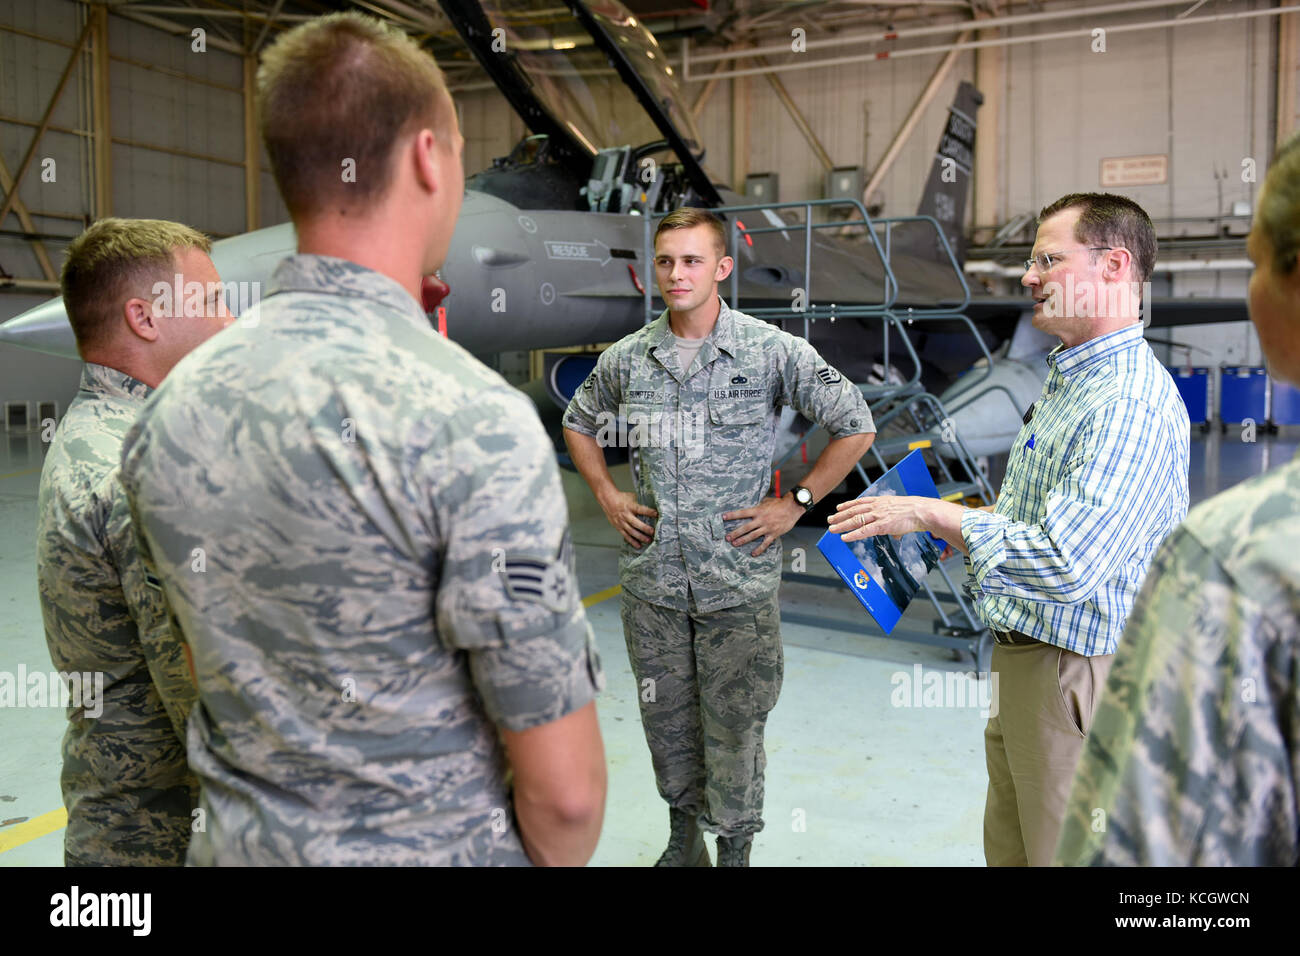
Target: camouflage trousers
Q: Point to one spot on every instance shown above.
(141, 826)
(706, 682)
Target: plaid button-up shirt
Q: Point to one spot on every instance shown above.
(1096, 480)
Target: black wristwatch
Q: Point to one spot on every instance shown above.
(803, 496)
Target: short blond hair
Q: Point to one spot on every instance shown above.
(345, 87)
(687, 217)
(115, 260)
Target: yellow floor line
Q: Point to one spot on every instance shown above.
(27, 832)
(57, 819)
(18, 474)
(604, 595)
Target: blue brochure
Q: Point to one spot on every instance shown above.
(884, 574)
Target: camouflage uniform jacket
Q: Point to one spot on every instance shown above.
(705, 438)
(126, 786)
(1194, 754)
(362, 533)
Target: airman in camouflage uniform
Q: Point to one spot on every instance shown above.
(362, 534)
(1192, 759)
(359, 527)
(709, 436)
(126, 786)
(1194, 756)
(701, 616)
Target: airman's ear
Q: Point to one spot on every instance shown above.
(420, 152)
(725, 265)
(140, 319)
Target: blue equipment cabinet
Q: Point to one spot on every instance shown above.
(1194, 389)
(1285, 408)
(1243, 394)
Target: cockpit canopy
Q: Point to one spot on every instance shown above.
(573, 79)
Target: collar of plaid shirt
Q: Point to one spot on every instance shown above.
(1077, 360)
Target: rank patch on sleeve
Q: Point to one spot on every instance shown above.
(829, 376)
(540, 580)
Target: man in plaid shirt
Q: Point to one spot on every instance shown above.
(1096, 479)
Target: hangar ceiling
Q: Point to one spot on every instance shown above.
(246, 27)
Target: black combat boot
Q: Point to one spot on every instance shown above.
(734, 850)
(686, 845)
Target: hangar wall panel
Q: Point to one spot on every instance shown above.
(58, 181)
(1199, 94)
(488, 124)
(181, 113)
(854, 110)
(162, 94)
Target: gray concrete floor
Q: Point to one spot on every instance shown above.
(851, 778)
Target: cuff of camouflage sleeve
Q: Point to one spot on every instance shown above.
(537, 681)
(579, 425)
(864, 427)
(983, 533)
(860, 424)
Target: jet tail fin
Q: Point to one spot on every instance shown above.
(945, 192)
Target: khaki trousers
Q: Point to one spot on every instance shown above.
(1046, 699)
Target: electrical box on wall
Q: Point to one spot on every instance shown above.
(763, 187)
(844, 182)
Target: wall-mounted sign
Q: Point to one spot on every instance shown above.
(1135, 170)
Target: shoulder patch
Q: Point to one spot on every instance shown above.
(829, 376)
(548, 582)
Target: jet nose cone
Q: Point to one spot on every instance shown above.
(42, 329)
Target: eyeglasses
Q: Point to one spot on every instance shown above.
(1046, 260)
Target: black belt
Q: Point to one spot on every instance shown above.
(1012, 638)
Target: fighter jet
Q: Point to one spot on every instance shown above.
(620, 155)
(552, 247)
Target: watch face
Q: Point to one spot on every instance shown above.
(803, 496)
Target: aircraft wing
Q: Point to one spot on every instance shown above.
(1165, 311)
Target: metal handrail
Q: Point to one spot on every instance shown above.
(911, 352)
(967, 459)
(968, 398)
(897, 388)
(891, 284)
(947, 248)
(975, 334)
(812, 312)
